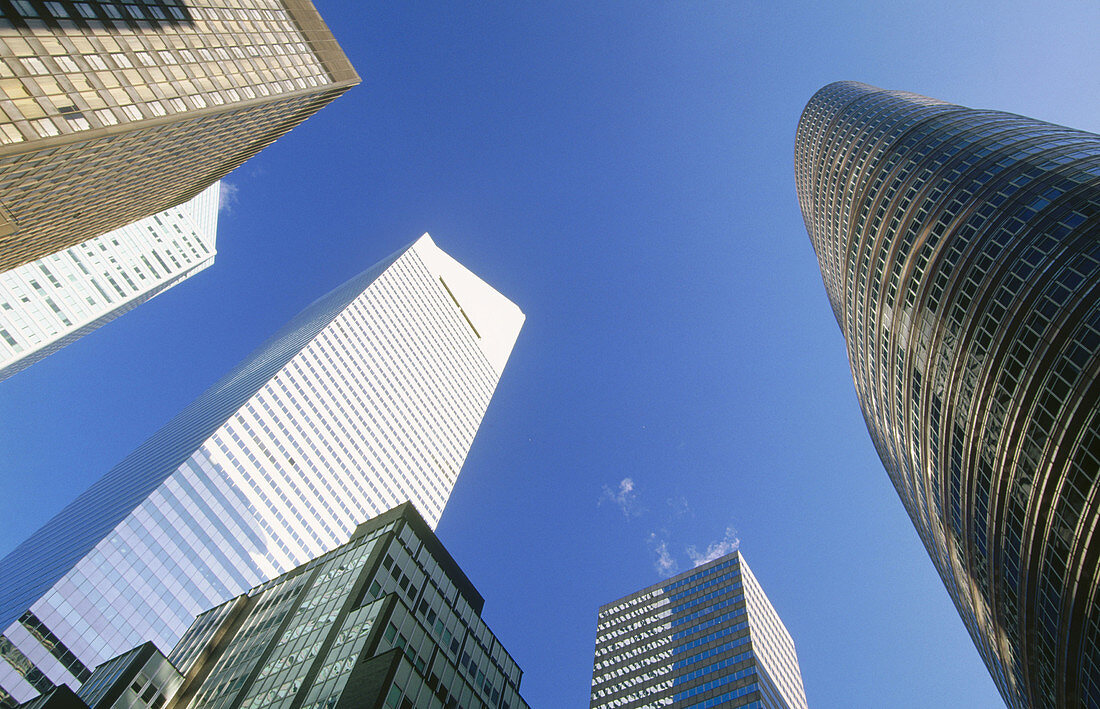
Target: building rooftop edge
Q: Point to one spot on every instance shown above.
(673, 579)
(494, 319)
(407, 511)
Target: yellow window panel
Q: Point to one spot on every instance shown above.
(52, 46)
(9, 134)
(13, 88)
(29, 108)
(48, 86)
(18, 47)
(93, 99)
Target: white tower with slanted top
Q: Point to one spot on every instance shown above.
(371, 396)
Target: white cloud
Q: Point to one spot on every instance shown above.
(725, 545)
(679, 506)
(227, 196)
(664, 563)
(626, 499)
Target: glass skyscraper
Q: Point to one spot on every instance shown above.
(960, 251)
(112, 111)
(371, 396)
(708, 637)
(54, 301)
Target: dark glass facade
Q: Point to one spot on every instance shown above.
(387, 621)
(960, 250)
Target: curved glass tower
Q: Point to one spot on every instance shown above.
(960, 250)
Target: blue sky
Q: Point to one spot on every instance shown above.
(624, 173)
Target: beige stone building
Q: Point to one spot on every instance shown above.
(113, 111)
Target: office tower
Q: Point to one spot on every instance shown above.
(54, 301)
(113, 111)
(369, 397)
(705, 638)
(386, 620)
(960, 250)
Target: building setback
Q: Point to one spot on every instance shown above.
(960, 250)
(708, 637)
(388, 620)
(113, 111)
(54, 301)
(369, 397)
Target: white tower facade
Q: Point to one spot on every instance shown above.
(371, 396)
(54, 301)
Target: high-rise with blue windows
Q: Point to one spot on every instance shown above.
(370, 397)
(708, 637)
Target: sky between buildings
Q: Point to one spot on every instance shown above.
(624, 173)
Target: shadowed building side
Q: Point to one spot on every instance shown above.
(960, 250)
(386, 620)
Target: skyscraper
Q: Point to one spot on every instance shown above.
(386, 620)
(960, 250)
(113, 111)
(705, 638)
(371, 396)
(49, 303)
